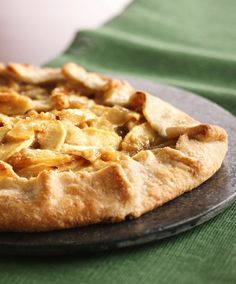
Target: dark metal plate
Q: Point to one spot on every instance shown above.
(181, 214)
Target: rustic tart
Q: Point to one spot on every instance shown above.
(79, 148)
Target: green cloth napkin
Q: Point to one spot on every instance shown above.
(187, 43)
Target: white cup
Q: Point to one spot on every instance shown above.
(36, 31)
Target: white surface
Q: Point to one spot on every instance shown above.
(35, 31)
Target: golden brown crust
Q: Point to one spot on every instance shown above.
(173, 121)
(83, 161)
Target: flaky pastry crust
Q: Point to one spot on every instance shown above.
(78, 148)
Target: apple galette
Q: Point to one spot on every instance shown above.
(79, 148)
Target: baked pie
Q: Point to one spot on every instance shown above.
(79, 148)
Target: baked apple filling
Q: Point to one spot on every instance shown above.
(69, 119)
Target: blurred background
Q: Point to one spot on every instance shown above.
(36, 31)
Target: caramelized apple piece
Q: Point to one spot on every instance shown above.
(28, 157)
(12, 103)
(140, 137)
(53, 136)
(9, 149)
(91, 136)
(89, 153)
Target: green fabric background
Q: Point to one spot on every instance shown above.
(187, 43)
